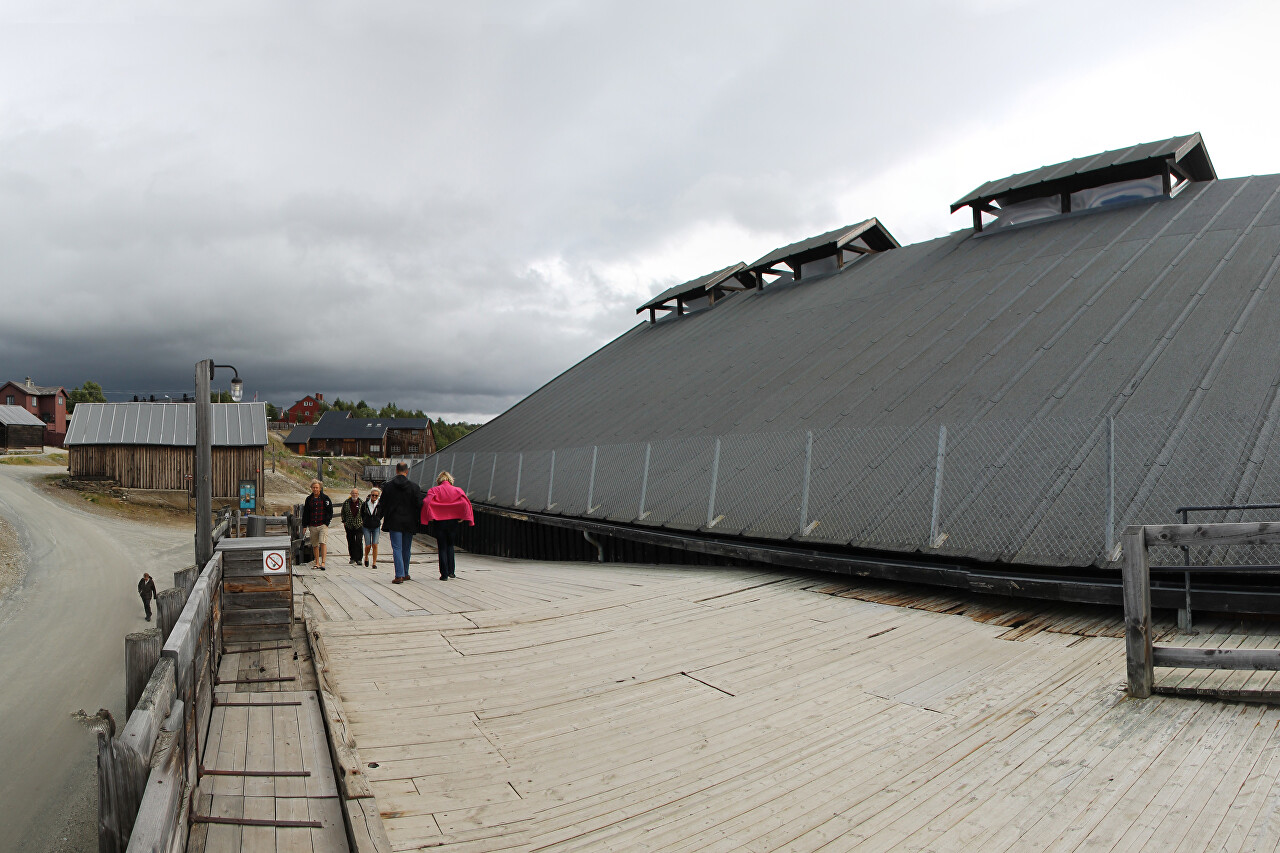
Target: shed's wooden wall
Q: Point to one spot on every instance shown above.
(139, 466)
(21, 437)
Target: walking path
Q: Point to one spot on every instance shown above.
(548, 706)
(62, 649)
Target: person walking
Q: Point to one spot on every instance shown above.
(317, 512)
(147, 589)
(401, 505)
(370, 518)
(353, 525)
(445, 508)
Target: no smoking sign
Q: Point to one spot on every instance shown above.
(273, 563)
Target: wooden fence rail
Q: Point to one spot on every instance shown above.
(1141, 656)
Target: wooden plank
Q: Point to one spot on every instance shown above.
(1228, 533)
(1265, 659)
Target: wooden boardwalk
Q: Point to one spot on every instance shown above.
(268, 720)
(544, 706)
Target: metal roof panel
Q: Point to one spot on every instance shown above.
(166, 424)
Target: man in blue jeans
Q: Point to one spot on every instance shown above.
(402, 515)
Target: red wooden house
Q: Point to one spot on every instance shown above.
(306, 410)
(48, 403)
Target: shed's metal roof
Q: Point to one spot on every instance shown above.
(1188, 151)
(336, 424)
(1024, 342)
(18, 416)
(166, 424)
(695, 288)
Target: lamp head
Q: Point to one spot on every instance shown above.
(237, 389)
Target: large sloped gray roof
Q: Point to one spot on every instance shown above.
(18, 416)
(167, 424)
(1150, 328)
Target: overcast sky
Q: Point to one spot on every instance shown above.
(447, 204)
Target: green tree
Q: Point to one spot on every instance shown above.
(220, 397)
(89, 392)
(273, 414)
(447, 433)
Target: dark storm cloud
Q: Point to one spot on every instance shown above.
(445, 205)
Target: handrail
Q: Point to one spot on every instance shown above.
(1141, 656)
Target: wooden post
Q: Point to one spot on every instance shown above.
(204, 463)
(1137, 613)
(168, 608)
(184, 579)
(141, 652)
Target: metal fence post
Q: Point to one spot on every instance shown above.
(492, 473)
(436, 469)
(715, 474)
(937, 537)
(519, 472)
(1111, 487)
(591, 484)
(471, 471)
(551, 480)
(644, 481)
(804, 489)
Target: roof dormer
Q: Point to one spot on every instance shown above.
(829, 251)
(698, 293)
(1148, 170)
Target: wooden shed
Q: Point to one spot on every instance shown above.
(152, 445)
(20, 430)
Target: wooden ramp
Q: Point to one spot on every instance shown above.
(267, 778)
(541, 706)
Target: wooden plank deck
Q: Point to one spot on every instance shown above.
(550, 706)
(262, 723)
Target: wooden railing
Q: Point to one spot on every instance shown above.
(147, 771)
(1141, 655)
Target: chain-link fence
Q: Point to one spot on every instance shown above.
(1049, 491)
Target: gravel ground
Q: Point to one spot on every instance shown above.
(13, 565)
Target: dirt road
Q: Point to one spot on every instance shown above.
(62, 649)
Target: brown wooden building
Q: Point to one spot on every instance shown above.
(337, 434)
(20, 429)
(152, 445)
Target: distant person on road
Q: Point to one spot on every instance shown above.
(445, 508)
(401, 505)
(317, 512)
(147, 589)
(353, 526)
(370, 518)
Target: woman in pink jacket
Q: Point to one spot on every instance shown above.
(448, 507)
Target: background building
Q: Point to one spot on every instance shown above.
(338, 434)
(988, 409)
(152, 445)
(20, 429)
(48, 403)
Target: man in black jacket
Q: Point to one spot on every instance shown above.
(401, 516)
(317, 512)
(147, 589)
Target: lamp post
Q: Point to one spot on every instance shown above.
(204, 455)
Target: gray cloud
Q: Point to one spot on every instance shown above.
(431, 202)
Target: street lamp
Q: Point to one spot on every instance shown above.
(204, 454)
